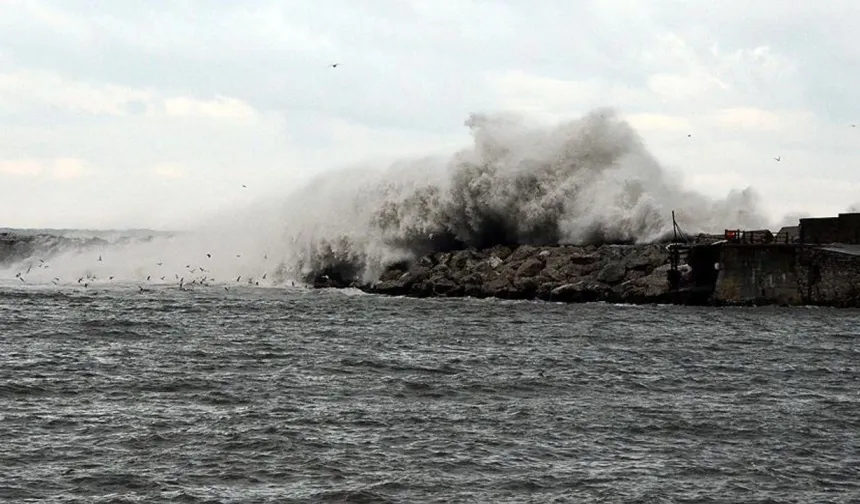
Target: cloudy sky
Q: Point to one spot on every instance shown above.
(147, 113)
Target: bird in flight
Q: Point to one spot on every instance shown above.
(334, 65)
(778, 158)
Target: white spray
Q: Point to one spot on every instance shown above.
(585, 181)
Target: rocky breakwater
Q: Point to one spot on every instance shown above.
(611, 273)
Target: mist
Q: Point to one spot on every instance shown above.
(590, 180)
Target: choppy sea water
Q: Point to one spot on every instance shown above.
(269, 395)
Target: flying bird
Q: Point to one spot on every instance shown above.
(209, 255)
(778, 158)
(334, 65)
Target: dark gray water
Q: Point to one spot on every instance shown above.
(264, 395)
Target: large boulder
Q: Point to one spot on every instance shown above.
(612, 273)
(529, 268)
(582, 292)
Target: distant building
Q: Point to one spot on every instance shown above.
(844, 229)
(788, 234)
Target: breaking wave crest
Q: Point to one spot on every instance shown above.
(586, 181)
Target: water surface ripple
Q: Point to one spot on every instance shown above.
(263, 395)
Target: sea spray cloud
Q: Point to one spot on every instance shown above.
(585, 181)
(589, 180)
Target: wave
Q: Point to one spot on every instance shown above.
(589, 180)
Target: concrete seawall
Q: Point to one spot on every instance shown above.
(758, 274)
(788, 274)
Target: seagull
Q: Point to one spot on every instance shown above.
(209, 255)
(243, 185)
(334, 65)
(159, 263)
(778, 158)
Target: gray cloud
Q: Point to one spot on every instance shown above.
(413, 71)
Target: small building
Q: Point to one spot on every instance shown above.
(788, 234)
(844, 228)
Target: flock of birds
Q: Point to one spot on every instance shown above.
(197, 276)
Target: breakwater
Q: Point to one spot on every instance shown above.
(711, 271)
(612, 273)
(719, 274)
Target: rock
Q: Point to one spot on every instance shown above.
(522, 253)
(647, 289)
(552, 275)
(444, 286)
(498, 287)
(391, 275)
(442, 258)
(530, 268)
(582, 292)
(503, 252)
(634, 274)
(389, 287)
(612, 273)
(525, 287)
(584, 257)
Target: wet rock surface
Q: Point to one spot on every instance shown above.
(611, 273)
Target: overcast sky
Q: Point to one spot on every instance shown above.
(148, 112)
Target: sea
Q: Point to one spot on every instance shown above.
(253, 395)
